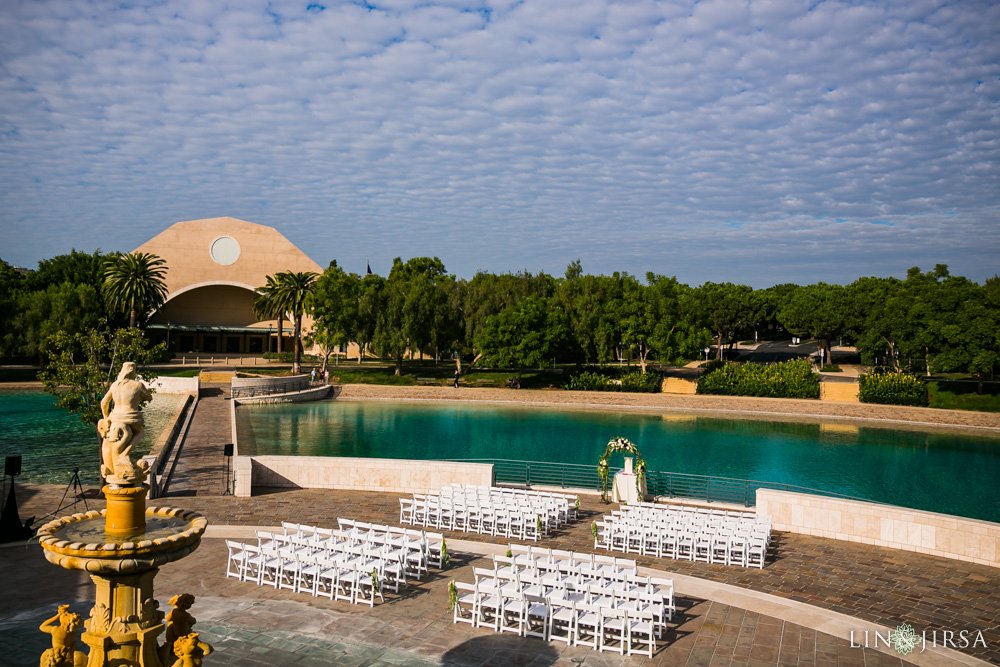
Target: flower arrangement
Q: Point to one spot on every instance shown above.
(593, 529)
(445, 558)
(375, 587)
(452, 595)
(628, 448)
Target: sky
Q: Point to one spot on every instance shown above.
(752, 142)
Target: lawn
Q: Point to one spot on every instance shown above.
(963, 395)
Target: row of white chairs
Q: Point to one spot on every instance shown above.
(625, 615)
(567, 504)
(568, 570)
(511, 513)
(683, 534)
(353, 564)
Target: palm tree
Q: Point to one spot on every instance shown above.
(134, 284)
(292, 293)
(266, 306)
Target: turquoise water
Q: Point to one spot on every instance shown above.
(936, 471)
(52, 442)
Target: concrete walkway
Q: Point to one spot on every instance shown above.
(200, 468)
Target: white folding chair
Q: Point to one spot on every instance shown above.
(588, 626)
(234, 562)
(465, 603)
(614, 629)
(562, 620)
(641, 633)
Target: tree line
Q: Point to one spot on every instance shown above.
(928, 322)
(931, 322)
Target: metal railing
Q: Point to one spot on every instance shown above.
(661, 484)
(274, 387)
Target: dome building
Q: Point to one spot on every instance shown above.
(213, 267)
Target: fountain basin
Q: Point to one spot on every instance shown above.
(80, 542)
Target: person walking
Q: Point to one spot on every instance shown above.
(457, 373)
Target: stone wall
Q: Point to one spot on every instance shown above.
(362, 474)
(882, 525)
(679, 386)
(839, 391)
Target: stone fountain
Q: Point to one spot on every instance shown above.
(122, 548)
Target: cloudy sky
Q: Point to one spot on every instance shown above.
(756, 142)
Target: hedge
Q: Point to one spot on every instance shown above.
(892, 388)
(789, 379)
(633, 381)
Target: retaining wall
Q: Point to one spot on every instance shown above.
(882, 525)
(846, 392)
(361, 474)
(175, 385)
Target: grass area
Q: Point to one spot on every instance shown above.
(442, 375)
(831, 369)
(951, 395)
(178, 373)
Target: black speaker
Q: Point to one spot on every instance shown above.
(12, 465)
(227, 449)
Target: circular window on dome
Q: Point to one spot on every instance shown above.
(225, 250)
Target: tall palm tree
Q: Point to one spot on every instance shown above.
(266, 306)
(292, 293)
(134, 284)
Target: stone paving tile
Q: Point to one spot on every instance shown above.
(250, 625)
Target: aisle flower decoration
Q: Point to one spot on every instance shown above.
(445, 559)
(628, 448)
(452, 595)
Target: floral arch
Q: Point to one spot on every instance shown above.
(627, 448)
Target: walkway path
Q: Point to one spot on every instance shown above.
(200, 467)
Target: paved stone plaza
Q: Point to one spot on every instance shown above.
(259, 626)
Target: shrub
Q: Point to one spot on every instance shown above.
(587, 381)
(789, 379)
(892, 388)
(713, 365)
(832, 368)
(633, 381)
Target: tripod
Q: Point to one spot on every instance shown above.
(77, 486)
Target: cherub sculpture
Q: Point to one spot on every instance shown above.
(179, 623)
(190, 651)
(63, 628)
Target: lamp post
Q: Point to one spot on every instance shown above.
(168, 336)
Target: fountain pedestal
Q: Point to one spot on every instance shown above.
(126, 621)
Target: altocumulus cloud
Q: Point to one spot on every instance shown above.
(751, 141)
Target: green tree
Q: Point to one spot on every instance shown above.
(525, 334)
(75, 268)
(266, 306)
(293, 294)
(134, 284)
(818, 311)
(371, 305)
(416, 315)
(66, 307)
(336, 298)
(726, 310)
(78, 368)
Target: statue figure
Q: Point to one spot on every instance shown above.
(190, 650)
(122, 427)
(179, 624)
(63, 628)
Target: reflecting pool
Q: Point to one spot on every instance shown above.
(937, 471)
(52, 441)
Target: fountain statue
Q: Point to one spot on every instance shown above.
(122, 548)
